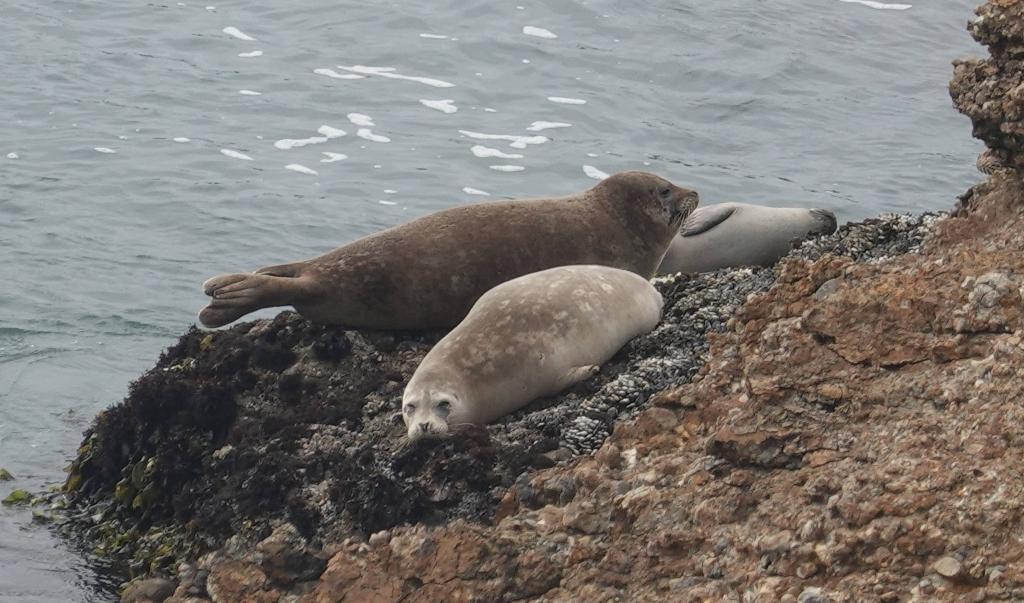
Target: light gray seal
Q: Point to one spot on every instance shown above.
(728, 235)
(525, 339)
(427, 273)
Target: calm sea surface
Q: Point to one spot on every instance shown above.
(146, 146)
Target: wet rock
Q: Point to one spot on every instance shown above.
(149, 590)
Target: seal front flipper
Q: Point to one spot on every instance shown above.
(235, 295)
(706, 218)
(289, 270)
(578, 374)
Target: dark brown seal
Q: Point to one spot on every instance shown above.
(427, 273)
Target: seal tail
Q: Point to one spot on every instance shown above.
(235, 295)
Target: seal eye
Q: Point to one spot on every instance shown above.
(665, 192)
(444, 407)
(410, 408)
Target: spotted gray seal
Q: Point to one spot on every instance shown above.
(527, 338)
(736, 234)
(427, 273)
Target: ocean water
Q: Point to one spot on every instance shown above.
(147, 146)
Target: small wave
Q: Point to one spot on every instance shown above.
(565, 100)
(481, 151)
(389, 72)
(367, 134)
(880, 5)
(433, 36)
(539, 32)
(249, 55)
(12, 155)
(360, 119)
(237, 33)
(296, 167)
(469, 190)
(516, 141)
(326, 133)
(181, 139)
(235, 154)
(332, 157)
(338, 76)
(537, 126)
(250, 92)
(104, 149)
(444, 106)
(594, 173)
(507, 168)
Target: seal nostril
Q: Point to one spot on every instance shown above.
(425, 427)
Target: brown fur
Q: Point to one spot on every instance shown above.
(427, 273)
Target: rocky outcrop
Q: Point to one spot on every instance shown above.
(991, 91)
(851, 434)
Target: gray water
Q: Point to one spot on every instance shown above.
(126, 185)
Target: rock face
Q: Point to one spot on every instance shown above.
(991, 91)
(852, 434)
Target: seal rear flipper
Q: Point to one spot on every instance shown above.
(235, 295)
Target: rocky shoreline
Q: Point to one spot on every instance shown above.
(842, 427)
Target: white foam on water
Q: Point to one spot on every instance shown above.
(286, 144)
(250, 92)
(591, 154)
(433, 36)
(367, 134)
(880, 5)
(516, 141)
(181, 139)
(330, 132)
(360, 120)
(12, 155)
(234, 31)
(481, 151)
(389, 72)
(566, 100)
(248, 55)
(539, 32)
(122, 137)
(526, 61)
(332, 157)
(327, 133)
(383, 202)
(104, 150)
(338, 76)
(537, 126)
(490, 110)
(444, 106)
(594, 173)
(211, 8)
(469, 190)
(235, 154)
(507, 168)
(295, 167)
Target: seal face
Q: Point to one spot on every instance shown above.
(728, 235)
(427, 273)
(527, 338)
